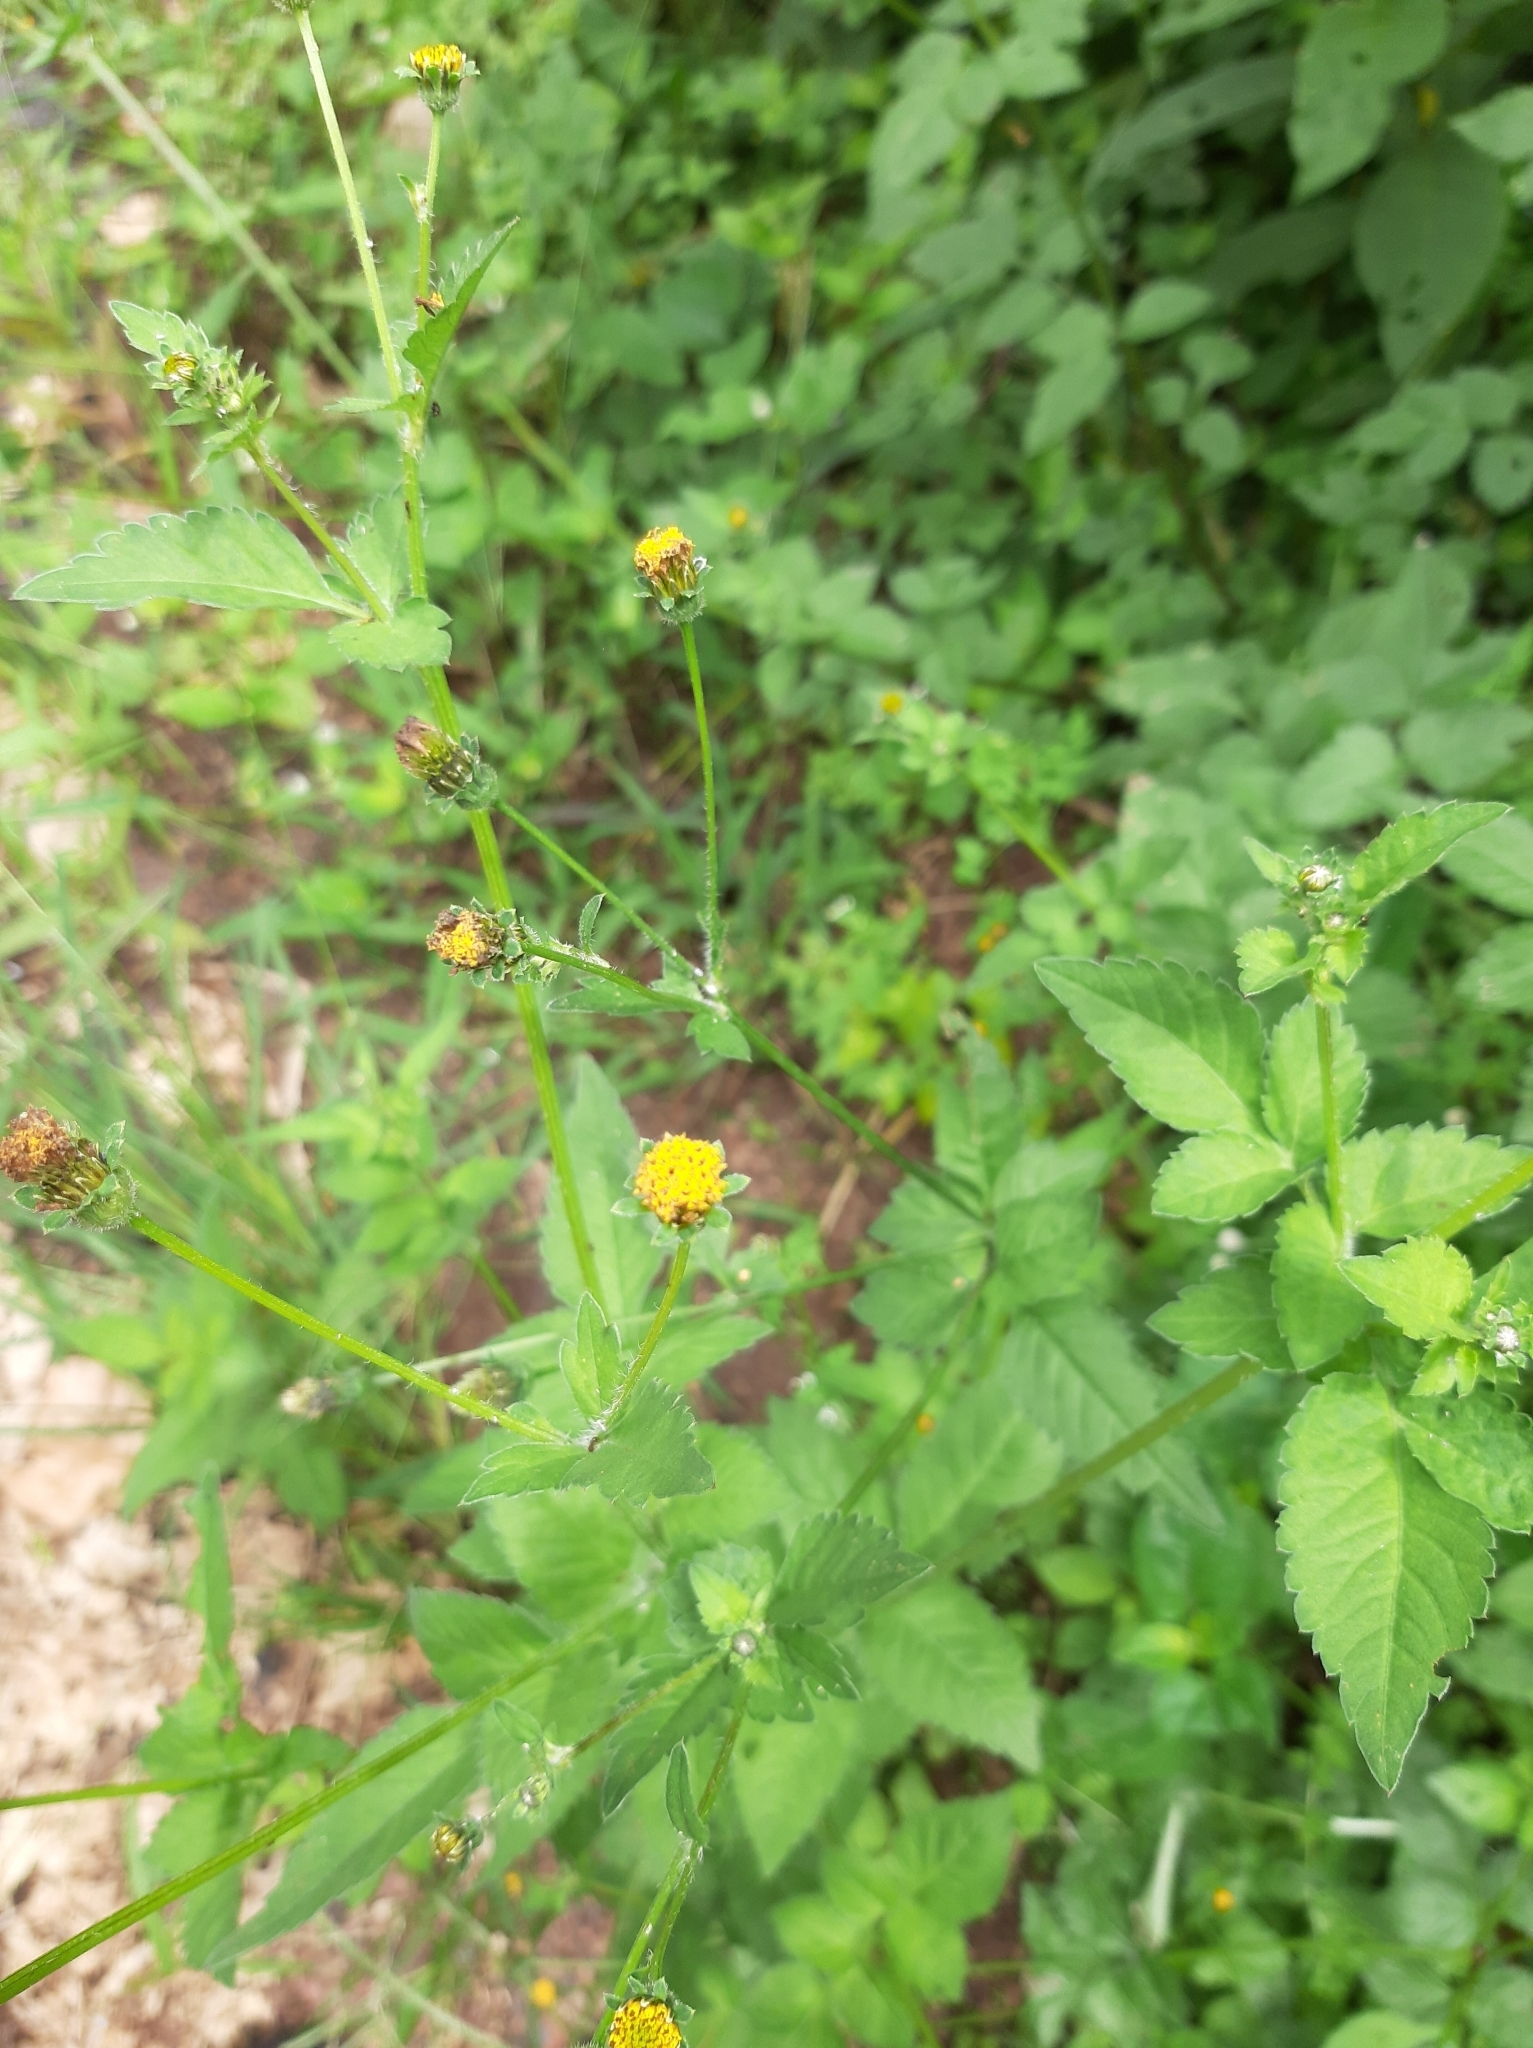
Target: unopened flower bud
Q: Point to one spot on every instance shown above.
(452, 1841)
(439, 69)
(61, 1173)
(680, 1180)
(744, 1644)
(1316, 878)
(1505, 1339)
(533, 1792)
(470, 941)
(431, 757)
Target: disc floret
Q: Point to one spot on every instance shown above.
(439, 69)
(671, 572)
(681, 1181)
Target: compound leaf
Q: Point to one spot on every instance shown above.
(1387, 1570)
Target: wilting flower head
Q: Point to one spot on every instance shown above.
(471, 941)
(681, 1180)
(307, 1399)
(431, 757)
(665, 558)
(439, 69)
(644, 2023)
(61, 1173)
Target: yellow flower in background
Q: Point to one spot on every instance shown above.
(680, 1180)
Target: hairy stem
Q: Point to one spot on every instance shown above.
(288, 1824)
(332, 547)
(271, 274)
(421, 1381)
(125, 1791)
(712, 927)
(353, 206)
(652, 1335)
(1325, 1046)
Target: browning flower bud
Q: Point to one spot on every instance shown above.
(671, 571)
(60, 1173)
(470, 941)
(644, 2023)
(439, 69)
(431, 757)
(680, 1180)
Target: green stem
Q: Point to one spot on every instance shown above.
(1325, 1047)
(353, 206)
(646, 1350)
(419, 1380)
(129, 1791)
(228, 223)
(712, 927)
(655, 1928)
(642, 1706)
(626, 910)
(504, 1299)
(558, 1141)
(886, 1451)
(1040, 844)
(289, 1823)
(427, 217)
(1496, 1196)
(1064, 1490)
(327, 541)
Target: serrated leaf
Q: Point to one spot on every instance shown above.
(985, 1453)
(1411, 845)
(522, 1468)
(818, 1662)
(1403, 1182)
(650, 1452)
(1422, 1285)
(679, 1803)
(591, 1364)
(155, 333)
(1388, 1571)
(1219, 1175)
(1480, 1449)
(588, 917)
(427, 348)
(1228, 1315)
(1081, 1379)
(230, 559)
(1497, 862)
(469, 1639)
(1291, 1099)
(945, 1656)
(717, 1035)
(1185, 1047)
(1318, 1308)
(1266, 957)
(415, 637)
(836, 1567)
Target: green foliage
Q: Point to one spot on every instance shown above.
(244, 561)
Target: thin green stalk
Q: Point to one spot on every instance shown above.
(712, 927)
(1064, 1490)
(550, 845)
(427, 220)
(327, 541)
(141, 1789)
(642, 1706)
(1325, 1047)
(558, 1140)
(646, 1350)
(270, 273)
(1512, 1182)
(505, 1301)
(655, 1928)
(888, 1448)
(1040, 844)
(289, 1823)
(419, 1380)
(353, 205)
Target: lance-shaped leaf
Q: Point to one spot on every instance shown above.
(651, 1739)
(836, 1567)
(1187, 1048)
(1228, 1315)
(1388, 1571)
(1423, 1285)
(427, 348)
(1219, 1175)
(1410, 846)
(1401, 1182)
(1318, 1308)
(227, 558)
(679, 1803)
(1479, 1448)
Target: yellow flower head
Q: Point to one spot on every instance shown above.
(1223, 1900)
(466, 939)
(446, 59)
(680, 1180)
(37, 1151)
(644, 2023)
(665, 558)
(450, 1843)
(892, 703)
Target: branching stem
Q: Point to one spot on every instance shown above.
(421, 1381)
(332, 547)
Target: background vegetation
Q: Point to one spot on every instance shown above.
(1108, 424)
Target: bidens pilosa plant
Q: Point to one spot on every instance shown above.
(720, 1639)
